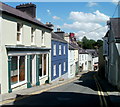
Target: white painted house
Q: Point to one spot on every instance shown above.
(24, 48)
(87, 59)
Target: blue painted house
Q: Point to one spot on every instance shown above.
(59, 56)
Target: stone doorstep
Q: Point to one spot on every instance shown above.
(27, 91)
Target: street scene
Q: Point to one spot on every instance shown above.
(60, 53)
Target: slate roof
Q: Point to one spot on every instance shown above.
(17, 13)
(57, 37)
(115, 27)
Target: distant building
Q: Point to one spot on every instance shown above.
(88, 59)
(111, 52)
(25, 45)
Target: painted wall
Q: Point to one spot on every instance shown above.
(71, 64)
(9, 37)
(57, 59)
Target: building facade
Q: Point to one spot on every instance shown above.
(59, 58)
(24, 49)
(112, 55)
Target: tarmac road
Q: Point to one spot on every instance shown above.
(84, 92)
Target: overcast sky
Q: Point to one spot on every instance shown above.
(78, 17)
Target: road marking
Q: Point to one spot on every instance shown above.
(37, 92)
(100, 93)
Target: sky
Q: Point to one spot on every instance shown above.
(82, 18)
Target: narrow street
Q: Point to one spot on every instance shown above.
(82, 92)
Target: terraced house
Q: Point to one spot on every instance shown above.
(25, 45)
(59, 56)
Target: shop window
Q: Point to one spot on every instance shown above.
(42, 65)
(17, 69)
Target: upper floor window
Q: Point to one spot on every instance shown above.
(19, 32)
(60, 51)
(54, 49)
(43, 37)
(64, 50)
(33, 35)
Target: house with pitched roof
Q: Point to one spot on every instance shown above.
(59, 56)
(25, 45)
(111, 52)
(73, 59)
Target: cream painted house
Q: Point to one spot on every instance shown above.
(73, 59)
(25, 45)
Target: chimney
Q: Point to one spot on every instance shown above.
(58, 29)
(60, 33)
(49, 25)
(28, 8)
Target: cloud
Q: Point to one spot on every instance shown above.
(95, 35)
(91, 4)
(49, 12)
(96, 16)
(56, 17)
(85, 24)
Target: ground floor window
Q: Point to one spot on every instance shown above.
(42, 65)
(54, 70)
(64, 66)
(17, 69)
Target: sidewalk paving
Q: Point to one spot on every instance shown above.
(43, 87)
(111, 91)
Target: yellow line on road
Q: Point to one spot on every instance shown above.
(34, 93)
(100, 93)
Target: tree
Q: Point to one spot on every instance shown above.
(99, 43)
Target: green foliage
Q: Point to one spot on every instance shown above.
(90, 44)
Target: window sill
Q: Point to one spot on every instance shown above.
(18, 84)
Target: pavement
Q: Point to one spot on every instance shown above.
(111, 91)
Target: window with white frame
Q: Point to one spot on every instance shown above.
(64, 50)
(54, 49)
(54, 70)
(64, 66)
(32, 35)
(43, 38)
(60, 69)
(17, 69)
(60, 51)
(43, 65)
(19, 32)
